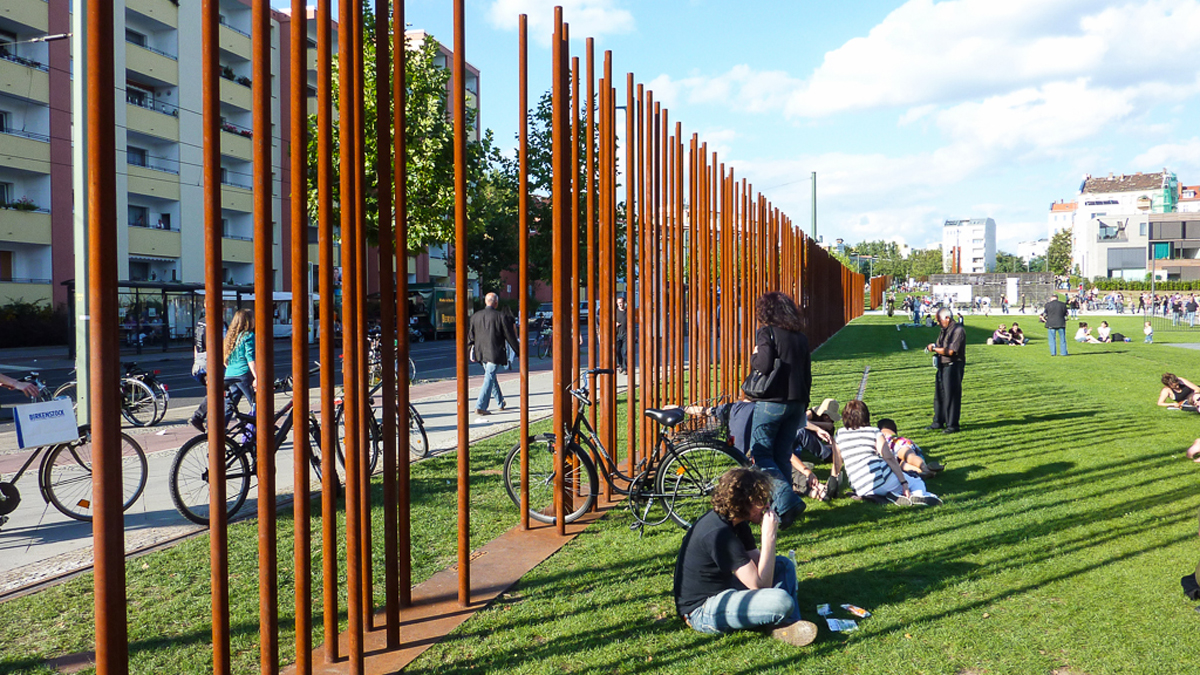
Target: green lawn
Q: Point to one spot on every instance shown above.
(1069, 518)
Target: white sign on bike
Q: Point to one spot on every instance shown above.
(42, 424)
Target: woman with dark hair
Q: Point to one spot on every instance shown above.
(779, 413)
(1177, 392)
(873, 470)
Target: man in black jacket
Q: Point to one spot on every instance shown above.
(1054, 315)
(489, 331)
(950, 349)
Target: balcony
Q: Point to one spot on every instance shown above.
(32, 13)
(154, 182)
(235, 42)
(162, 11)
(153, 242)
(26, 290)
(25, 151)
(237, 198)
(237, 250)
(154, 119)
(24, 78)
(25, 227)
(235, 142)
(152, 63)
(236, 95)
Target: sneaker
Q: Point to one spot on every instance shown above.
(799, 634)
(198, 423)
(503, 406)
(934, 466)
(926, 500)
(481, 412)
(901, 500)
(831, 488)
(934, 427)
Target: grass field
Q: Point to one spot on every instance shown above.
(1070, 516)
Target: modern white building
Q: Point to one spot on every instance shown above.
(1062, 217)
(1028, 250)
(1112, 236)
(1189, 199)
(969, 246)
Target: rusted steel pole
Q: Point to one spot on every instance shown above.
(657, 260)
(325, 237)
(387, 324)
(108, 539)
(400, 152)
(608, 299)
(347, 44)
(593, 259)
(523, 252)
(631, 203)
(264, 346)
(680, 280)
(217, 522)
(693, 214)
(604, 245)
(458, 82)
(637, 304)
(560, 200)
(301, 447)
(576, 188)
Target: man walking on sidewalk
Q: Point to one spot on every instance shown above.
(489, 331)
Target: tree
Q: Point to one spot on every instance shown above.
(888, 260)
(1058, 256)
(1037, 264)
(492, 241)
(926, 262)
(1007, 262)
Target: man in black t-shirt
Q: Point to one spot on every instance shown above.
(723, 581)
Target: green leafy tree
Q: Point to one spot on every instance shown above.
(492, 242)
(1037, 264)
(1058, 256)
(926, 262)
(1007, 262)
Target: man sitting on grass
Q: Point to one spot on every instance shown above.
(723, 581)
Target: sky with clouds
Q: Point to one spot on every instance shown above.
(909, 112)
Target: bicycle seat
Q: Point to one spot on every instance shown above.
(668, 417)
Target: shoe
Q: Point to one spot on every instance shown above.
(197, 422)
(831, 488)
(926, 500)
(798, 634)
(901, 500)
(950, 430)
(934, 427)
(481, 412)
(503, 406)
(934, 466)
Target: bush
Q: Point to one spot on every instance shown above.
(32, 324)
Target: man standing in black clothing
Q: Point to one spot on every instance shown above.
(1054, 315)
(951, 364)
(622, 324)
(489, 331)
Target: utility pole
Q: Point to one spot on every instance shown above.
(79, 141)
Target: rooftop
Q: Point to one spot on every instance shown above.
(1064, 206)
(1125, 183)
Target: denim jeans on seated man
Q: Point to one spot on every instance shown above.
(490, 385)
(733, 610)
(772, 437)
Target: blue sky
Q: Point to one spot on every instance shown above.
(910, 113)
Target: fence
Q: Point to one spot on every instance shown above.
(701, 246)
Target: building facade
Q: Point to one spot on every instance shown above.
(969, 246)
(1112, 225)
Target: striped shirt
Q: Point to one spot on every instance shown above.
(869, 474)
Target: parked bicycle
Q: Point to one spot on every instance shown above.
(375, 359)
(674, 482)
(542, 330)
(150, 379)
(189, 479)
(65, 472)
(139, 404)
(418, 440)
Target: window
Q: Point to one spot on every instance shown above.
(6, 265)
(136, 156)
(6, 193)
(135, 37)
(1142, 229)
(4, 126)
(139, 216)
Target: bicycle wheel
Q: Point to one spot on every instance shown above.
(189, 482)
(138, 404)
(412, 371)
(580, 482)
(68, 389)
(418, 441)
(67, 476)
(374, 440)
(688, 478)
(161, 398)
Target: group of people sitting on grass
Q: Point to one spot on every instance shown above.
(1009, 336)
(1103, 334)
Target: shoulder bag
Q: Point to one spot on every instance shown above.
(758, 385)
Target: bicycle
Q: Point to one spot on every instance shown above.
(139, 405)
(65, 472)
(189, 478)
(375, 360)
(674, 482)
(543, 331)
(418, 440)
(150, 379)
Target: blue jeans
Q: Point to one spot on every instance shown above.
(1057, 335)
(772, 436)
(732, 610)
(490, 386)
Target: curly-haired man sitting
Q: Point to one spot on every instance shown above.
(723, 581)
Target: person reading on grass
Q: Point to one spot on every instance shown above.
(1177, 392)
(724, 582)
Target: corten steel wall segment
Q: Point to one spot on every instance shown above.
(325, 218)
(400, 127)
(387, 317)
(217, 524)
(112, 651)
(264, 358)
(559, 205)
(301, 505)
(458, 82)
(359, 323)
(523, 251)
(348, 17)
(576, 188)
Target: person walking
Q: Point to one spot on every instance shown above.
(622, 321)
(1054, 315)
(486, 338)
(780, 411)
(950, 349)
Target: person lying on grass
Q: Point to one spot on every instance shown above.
(870, 465)
(723, 581)
(911, 459)
(1177, 392)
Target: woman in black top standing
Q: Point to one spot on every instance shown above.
(780, 412)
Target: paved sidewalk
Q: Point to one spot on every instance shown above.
(39, 543)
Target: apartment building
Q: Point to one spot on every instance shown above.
(969, 246)
(1112, 232)
(159, 147)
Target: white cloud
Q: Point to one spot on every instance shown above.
(1183, 158)
(587, 18)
